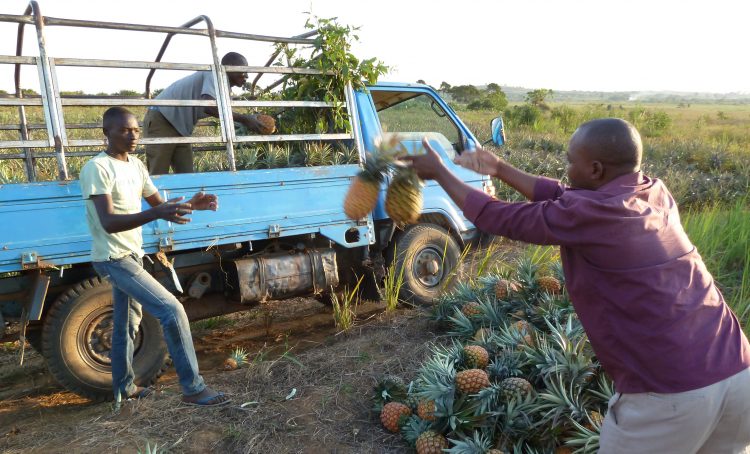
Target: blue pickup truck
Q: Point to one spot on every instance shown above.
(279, 232)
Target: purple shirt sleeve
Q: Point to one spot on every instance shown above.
(547, 221)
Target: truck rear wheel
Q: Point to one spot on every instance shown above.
(428, 255)
(77, 339)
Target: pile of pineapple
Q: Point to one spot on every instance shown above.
(403, 201)
(517, 376)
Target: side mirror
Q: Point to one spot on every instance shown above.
(498, 131)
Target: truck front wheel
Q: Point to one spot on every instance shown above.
(77, 336)
(427, 255)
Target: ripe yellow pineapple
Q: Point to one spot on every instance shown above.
(403, 202)
(363, 192)
(549, 284)
(476, 356)
(237, 359)
(495, 451)
(471, 381)
(426, 409)
(515, 386)
(471, 309)
(504, 288)
(431, 442)
(392, 414)
(522, 326)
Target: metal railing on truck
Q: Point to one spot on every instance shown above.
(52, 103)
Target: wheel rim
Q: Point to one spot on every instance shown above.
(95, 340)
(427, 267)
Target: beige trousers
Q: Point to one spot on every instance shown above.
(159, 157)
(710, 420)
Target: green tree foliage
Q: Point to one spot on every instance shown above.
(331, 52)
(465, 93)
(127, 93)
(445, 86)
(538, 97)
(492, 87)
(495, 101)
(526, 114)
(650, 123)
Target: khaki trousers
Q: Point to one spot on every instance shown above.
(159, 157)
(710, 420)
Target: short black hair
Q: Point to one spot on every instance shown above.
(234, 59)
(113, 114)
(613, 141)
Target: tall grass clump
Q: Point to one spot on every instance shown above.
(345, 305)
(722, 236)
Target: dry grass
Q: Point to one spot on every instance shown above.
(330, 411)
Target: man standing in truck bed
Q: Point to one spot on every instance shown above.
(113, 184)
(173, 121)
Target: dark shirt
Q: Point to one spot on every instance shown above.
(650, 308)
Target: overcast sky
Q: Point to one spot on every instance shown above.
(558, 44)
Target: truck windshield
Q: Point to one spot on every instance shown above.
(419, 116)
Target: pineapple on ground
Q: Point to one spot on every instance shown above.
(515, 386)
(471, 309)
(505, 288)
(476, 357)
(431, 442)
(549, 284)
(393, 414)
(471, 381)
(403, 202)
(363, 192)
(426, 409)
(237, 359)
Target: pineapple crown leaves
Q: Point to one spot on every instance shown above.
(603, 390)
(436, 380)
(461, 417)
(585, 440)
(413, 427)
(239, 354)
(461, 325)
(488, 399)
(561, 400)
(515, 419)
(509, 363)
(390, 388)
(478, 443)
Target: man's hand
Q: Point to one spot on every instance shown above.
(428, 165)
(480, 161)
(203, 201)
(173, 211)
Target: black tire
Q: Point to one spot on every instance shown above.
(75, 341)
(428, 255)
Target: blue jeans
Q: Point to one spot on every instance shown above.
(131, 285)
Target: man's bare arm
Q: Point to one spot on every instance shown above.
(487, 163)
(170, 210)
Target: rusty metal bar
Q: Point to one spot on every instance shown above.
(48, 92)
(23, 144)
(98, 63)
(276, 54)
(282, 104)
(135, 102)
(22, 130)
(18, 59)
(351, 110)
(21, 102)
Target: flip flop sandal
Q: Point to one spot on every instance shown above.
(206, 401)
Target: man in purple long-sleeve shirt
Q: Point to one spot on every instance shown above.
(652, 312)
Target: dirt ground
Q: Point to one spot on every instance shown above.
(307, 389)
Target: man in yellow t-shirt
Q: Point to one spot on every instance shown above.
(113, 184)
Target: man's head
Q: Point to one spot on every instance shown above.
(235, 59)
(121, 129)
(601, 150)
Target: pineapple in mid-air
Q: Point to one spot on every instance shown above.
(393, 414)
(237, 359)
(363, 192)
(403, 202)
